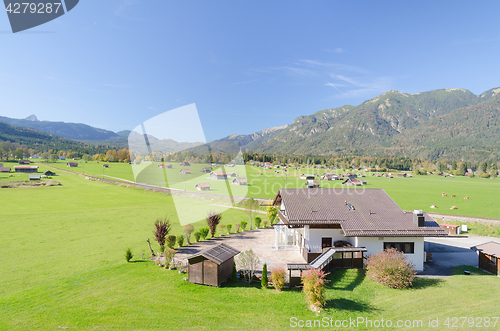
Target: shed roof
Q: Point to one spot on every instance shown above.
(4, 169)
(25, 167)
(203, 185)
(218, 254)
(489, 248)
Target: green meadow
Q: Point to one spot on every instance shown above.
(63, 266)
(419, 192)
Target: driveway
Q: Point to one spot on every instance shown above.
(451, 252)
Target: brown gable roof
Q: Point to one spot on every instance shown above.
(203, 185)
(489, 248)
(360, 212)
(218, 254)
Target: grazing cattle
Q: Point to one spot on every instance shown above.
(453, 196)
(466, 198)
(444, 194)
(433, 206)
(453, 207)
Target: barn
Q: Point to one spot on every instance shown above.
(26, 168)
(488, 256)
(213, 266)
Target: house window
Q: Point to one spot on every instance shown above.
(493, 260)
(326, 242)
(407, 248)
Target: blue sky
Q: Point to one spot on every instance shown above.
(247, 65)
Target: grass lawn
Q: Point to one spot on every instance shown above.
(53, 232)
(141, 296)
(419, 192)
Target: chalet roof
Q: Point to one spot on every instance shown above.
(363, 213)
(489, 248)
(25, 167)
(187, 171)
(241, 179)
(4, 169)
(203, 185)
(219, 173)
(218, 254)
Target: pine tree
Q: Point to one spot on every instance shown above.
(264, 282)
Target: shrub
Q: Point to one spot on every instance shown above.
(265, 281)
(237, 228)
(221, 227)
(391, 268)
(180, 241)
(272, 212)
(158, 260)
(204, 233)
(264, 222)
(258, 222)
(169, 254)
(162, 228)
(229, 226)
(471, 175)
(278, 277)
(128, 255)
(213, 220)
(170, 240)
(188, 229)
(243, 225)
(234, 275)
(314, 287)
(197, 235)
(484, 175)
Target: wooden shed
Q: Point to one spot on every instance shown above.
(212, 266)
(488, 256)
(450, 228)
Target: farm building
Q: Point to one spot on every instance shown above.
(105, 165)
(62, 158)
(314, 220)
(308, 177)
(49, 173)
(240, 181)
(23, 161)
(218, 175)
(352, 182)
(185, 164)
(206, 170)
(450, 228)
(4, 169)
(34, 177)
(488, 256)
(71, 164)
(166, 166)
(202, 186)
(26, 168)
(185, 171)
(231, 174)
(213, 266)
(312, 184)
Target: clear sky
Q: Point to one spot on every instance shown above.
(247, 65)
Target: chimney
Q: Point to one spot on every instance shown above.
(419, 218)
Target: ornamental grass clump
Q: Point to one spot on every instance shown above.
(169, 254)
(314, 281)
(170, 240)
(278, 277)
(204, 233)
(391, 269)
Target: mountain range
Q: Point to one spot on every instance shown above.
(444, 123)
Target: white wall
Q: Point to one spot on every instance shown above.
(375, 245)
(313, 240)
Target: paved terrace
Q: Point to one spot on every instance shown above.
(261, 241)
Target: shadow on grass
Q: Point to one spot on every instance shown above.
(241, 283)
(351, 305)
(422, 283)
(138, 261)
(339, 278)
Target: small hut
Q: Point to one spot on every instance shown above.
(489, 253)
(213, 266)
